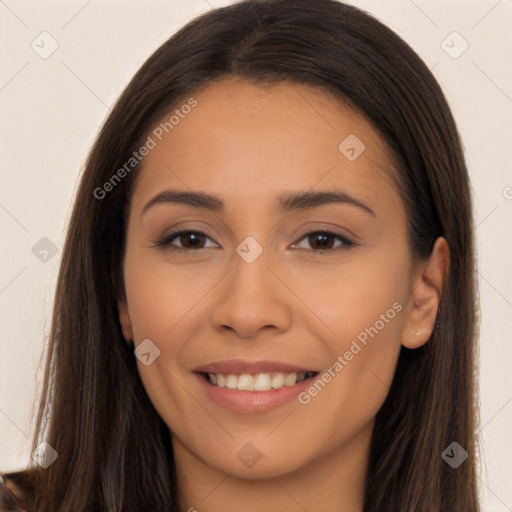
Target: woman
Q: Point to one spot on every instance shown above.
(313, 347)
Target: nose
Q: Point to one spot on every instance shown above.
(253, 299)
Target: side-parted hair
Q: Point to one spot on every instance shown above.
(114, 450)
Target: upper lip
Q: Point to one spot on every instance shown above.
(239, 366)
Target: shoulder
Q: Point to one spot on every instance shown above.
(16, 491)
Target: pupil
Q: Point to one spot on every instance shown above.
(320, 240)
(193, 239)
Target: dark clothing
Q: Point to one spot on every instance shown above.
(14, 492)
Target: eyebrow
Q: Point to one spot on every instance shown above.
(285, 202)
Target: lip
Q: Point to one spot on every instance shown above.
(239, 366)
(251, 402)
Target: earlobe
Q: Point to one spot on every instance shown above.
(427, 288)
(124, 319)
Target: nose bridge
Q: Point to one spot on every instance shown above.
(251, 298)
(250, 250)
(250, 274)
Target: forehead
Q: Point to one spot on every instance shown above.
(247, 142)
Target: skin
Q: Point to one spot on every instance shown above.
(247, 144)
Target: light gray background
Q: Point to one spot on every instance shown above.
(52, 109)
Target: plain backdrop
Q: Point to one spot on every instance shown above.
(53, 105)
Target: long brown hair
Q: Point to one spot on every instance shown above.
(114, 451)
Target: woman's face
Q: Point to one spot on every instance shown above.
(245, 292)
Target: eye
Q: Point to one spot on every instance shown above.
(191, 240)
(325, 240)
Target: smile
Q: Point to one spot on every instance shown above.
(253, 386)
(258, 381)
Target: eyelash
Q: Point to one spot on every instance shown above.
(165, 241)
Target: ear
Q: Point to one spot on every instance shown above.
(427, 284)
(124, 319)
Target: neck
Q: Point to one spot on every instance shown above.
(333, 481)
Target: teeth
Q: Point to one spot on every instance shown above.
(290, 379)
(263, 382)
(259, 381)
(246, 382)
(231, 381)
(278, 381)
(221, 379)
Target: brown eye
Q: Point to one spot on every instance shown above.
(191, 240)
(188, 240)
(326, 240)
(321, 241)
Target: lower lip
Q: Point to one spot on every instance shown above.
(252, 402)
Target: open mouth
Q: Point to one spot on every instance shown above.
(258, 381)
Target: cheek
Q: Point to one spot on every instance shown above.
(161, 309)
(363, 356)
(367, 288)
(364, 305)
(165, 306)
(160, 296)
